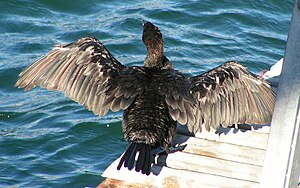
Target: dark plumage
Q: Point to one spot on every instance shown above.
(154, 96)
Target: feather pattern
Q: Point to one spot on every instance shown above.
(229, 95)
(174, 86)
(84, 71)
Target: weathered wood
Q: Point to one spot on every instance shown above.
(214, 161)
(239, 137)
(230, 152)
(282, 161)
(209, 165)
(169, 177)
(113, 183)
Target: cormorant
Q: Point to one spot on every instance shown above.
(154, 96)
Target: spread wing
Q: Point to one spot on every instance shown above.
(174, 86)
(84, 71)
(230, 94)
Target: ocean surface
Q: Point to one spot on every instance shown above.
(47, 140)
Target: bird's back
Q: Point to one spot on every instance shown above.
(147, 119)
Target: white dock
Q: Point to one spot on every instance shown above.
(230, 159)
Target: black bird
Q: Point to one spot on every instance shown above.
(154, 96)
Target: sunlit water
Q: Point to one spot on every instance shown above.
(46, 140)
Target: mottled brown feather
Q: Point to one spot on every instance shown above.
(84, 71)
(229, 95)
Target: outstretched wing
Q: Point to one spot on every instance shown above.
(174, 86)
(84, 71)
(230, 94)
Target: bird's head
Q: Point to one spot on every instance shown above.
(153, 41)
(152, 36)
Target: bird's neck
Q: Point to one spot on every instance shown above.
(155, 58)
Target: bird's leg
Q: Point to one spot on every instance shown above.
(167, 150)
(175, 148)
(158, 151)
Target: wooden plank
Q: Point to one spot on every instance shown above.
(282, 161)
(113, 183)
(209, 165)
(252, 139)
(215, 160)
(169, 177)
(230, 152)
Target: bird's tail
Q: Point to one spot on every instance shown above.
(144, 159)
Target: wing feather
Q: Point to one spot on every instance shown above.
(230, 95)
(87, 73)
(174, 87)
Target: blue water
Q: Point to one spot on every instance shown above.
(46, 140)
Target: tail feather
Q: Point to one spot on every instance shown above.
(131, 160)
(143, 162)
(125, 156)
(146, 168)
(129, 157)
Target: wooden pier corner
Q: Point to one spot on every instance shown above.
(232, 158)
